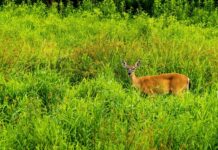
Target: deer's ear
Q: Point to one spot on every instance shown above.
(124, 64)
(138, 63)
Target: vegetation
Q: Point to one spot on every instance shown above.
(62, 85)
(152, 7)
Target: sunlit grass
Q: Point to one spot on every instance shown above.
(62, 85)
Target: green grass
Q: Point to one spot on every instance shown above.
(62, 85)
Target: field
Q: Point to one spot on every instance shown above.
(62, 85)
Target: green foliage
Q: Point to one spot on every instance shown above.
(179, 8)
(62, 85)
(108, 7)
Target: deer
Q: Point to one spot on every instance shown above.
(167, 83)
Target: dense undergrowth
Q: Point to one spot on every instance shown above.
(62, 84)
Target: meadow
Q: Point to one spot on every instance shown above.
(62, 84)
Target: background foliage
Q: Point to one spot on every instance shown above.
(152, 7)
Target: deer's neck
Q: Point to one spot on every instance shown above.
(135, 80)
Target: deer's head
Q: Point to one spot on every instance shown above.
(131, 68)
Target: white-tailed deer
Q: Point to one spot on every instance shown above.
(159, 84)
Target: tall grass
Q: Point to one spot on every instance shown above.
(63, 87)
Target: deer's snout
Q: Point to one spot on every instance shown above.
(129, 72)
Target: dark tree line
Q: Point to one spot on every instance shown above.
(127, 5)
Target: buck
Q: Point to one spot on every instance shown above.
(158, 84)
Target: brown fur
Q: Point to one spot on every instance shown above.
(159, 84)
